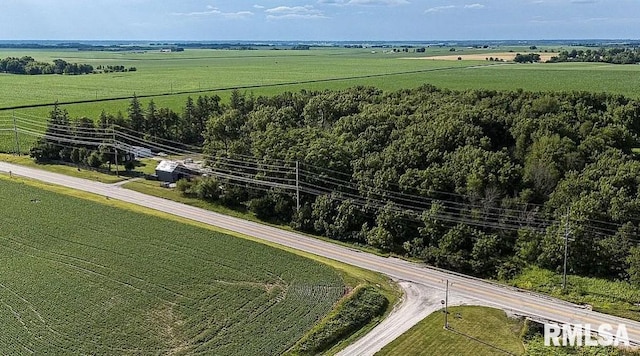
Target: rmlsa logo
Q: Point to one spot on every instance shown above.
(585, 335)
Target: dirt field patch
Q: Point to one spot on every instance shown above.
(506, 56)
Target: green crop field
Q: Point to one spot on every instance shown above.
(194, 70)
(266, 72)
(171, 77)
(78, 277)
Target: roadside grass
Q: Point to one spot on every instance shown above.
(617, 298)
(536, 347)
(144, 166)
(62, 169)
(474, 331)
(364, 305)
(352, 276)
(155, 189)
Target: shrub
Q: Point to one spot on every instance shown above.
(263, 207)
(184, 186)
(129, 165)
(207, 188)
(364, 304)
(93, 160)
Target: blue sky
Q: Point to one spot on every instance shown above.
(317, 20)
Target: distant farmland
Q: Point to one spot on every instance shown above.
(77, 277)
(266, 72)
(169, 78)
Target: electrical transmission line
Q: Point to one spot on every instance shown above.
(300, 177)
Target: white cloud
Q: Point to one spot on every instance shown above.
(214, 11)
(294, 12)
(237, 14)
(474, 6)
(378, 2)
(256, 6)
(365, 2)
(440, 8)
(451, 7)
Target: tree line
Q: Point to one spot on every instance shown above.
(566, 157)
(75, 140)
(527, 58)
(29, 66)
(115, 68)
(503, 159)
(617, 55)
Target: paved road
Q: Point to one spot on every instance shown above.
(517, 301)
(418, 302)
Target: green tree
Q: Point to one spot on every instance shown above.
(153, 123)
(136, 115)
(634, 265)
(224, 129)
(93, 160)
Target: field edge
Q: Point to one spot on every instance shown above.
(352, 276)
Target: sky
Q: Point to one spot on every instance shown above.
(318, 20)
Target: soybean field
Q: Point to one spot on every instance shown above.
(79, 277)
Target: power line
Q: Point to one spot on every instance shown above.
(281, 174)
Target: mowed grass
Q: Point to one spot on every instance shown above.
(62, 169)
(474, 331)
(82, 277)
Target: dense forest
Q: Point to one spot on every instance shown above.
(481, 182)
(618, 55)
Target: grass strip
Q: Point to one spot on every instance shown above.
(363, 305)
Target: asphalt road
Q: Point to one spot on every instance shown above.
(418, 302)
(516, 301)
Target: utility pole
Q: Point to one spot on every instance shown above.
(115, 148)
(446, 306)
(15, 130)
(298, 186)
(566, 249)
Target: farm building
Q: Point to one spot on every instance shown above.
(171, 172)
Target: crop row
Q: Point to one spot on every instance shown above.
(77, 276)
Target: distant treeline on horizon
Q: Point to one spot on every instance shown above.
(125, 45)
